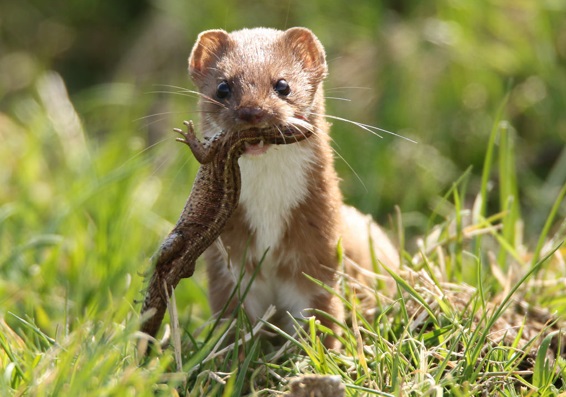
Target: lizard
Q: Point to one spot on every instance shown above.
(213, 199)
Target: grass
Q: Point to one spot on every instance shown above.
(91, 183)
(475, 309)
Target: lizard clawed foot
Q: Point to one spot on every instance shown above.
(189, 136)
(202, 153)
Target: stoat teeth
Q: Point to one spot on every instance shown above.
(261, 143)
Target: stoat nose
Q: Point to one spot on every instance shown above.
(251, 115)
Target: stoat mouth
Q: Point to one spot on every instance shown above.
(256, 148)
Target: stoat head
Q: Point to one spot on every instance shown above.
(258, 78)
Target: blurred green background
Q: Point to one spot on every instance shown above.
(92, 178)
(435, 72)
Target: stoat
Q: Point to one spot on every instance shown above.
(291, 215)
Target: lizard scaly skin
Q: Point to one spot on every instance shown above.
(213, 199)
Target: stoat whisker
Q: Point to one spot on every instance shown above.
(204, 111)
(320, 131)
(317, 130)
(294, 127)
(146, 149)
(186, 91)
(346, 88)
(338, 98)
(296, 123)
(302, 123)
(189, 94)
(337, 153)
(162, 163)
(367, 127)
(299, 125)
(173, 93)
(157, 117)
(351, 169)
(281, 132)
(151, 119)
(149, 116)
(357, 124)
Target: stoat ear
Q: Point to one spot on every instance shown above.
(307, 48)
(206, 51)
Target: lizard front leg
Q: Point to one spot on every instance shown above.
(203, 152)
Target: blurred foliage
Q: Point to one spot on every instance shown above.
(435, 72)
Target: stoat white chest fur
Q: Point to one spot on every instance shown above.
(272, 185)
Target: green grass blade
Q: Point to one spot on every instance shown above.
(543, 373)
(549, 222)
(404, 285)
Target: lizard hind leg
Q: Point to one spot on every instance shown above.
(169, 249)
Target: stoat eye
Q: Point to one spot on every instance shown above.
(223, 90)
(282, 87)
